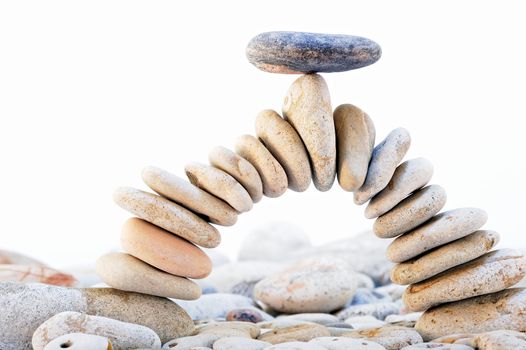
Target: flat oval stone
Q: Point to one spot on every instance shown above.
(441, 229)
(230, 329)
(280, 138)
(189, 196)
(167, 215)
(220, 184)
(411, 212)
(307, 107)
(192, 342)
(409, 176)
(301, 332)
(163, 250)
(341, 343)
(492, 272)
(79, 341)
(444, 257)
(390, 337)
(125, 272)
(502, 310)
(239, 168)
(239, 343)
(355, 135)
(501, 340)
(384, 161)
(301, 52)
(271, 172)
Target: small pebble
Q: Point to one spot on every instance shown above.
(238, 343)
(390, 337)
(378, 310)
(361, 322)
(437, 346)
(244, 315)
(191, 342)
(296, 345)
(341, 343)
(303, 332)
(230, 329)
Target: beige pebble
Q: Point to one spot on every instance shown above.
(79, 341)
(492, 272)
(409, 176)
(191, 342)
(271, 172)
(239, 343)
(125, 272)
(280, 138)
(167, 215)
(502, 310)
(220, 184)
(437, 346)
(384, 160)
(441, 229)
(341, 343)
(355, 135)
(239, 168)
(189, 196)
(302, 332)
(295, 345)
(444, 257)
(501, 340)
(457, 338)
(390, 337)
(307, 107)
(230, 329)
(411, 212)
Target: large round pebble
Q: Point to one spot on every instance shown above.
(341, 343)
(79, 341)
(390, 337)
(301, 332)
(239, 343)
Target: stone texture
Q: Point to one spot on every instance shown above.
(122, 335)
(390, 337)
(340, 343)
(444, 257)
(192, 342)
(501, 340)
(437, 346)
(411, 212)
(79, 341)
(355, 135)
(219, 184)
(307, 107)
(167, 215)
(35, 273)
(213, 306)
(441, 229)
(303, 52)
(230, 329)
(378, 310)
(280, 138)
(189, 196)
(302, 332)
(239, 168)
(272, 174)
(382, 166)
(125, 272)
(238, 343)
(409, 176)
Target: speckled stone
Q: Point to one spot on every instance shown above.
(390, 337)
(307, 107)
(125, 272)
(411, 212)
(355, 135)
(272, 174)
(341, 343)
(167, 215)
(492, 272)
(219, 184)
(382, 166)
(441, 229)
(239, 168)
(192, 342)
(501, 340)
(239, 343)
(280, 138)
(408, 177)
(437, 346)
(79, 341)
(302, 332)
(444, 257)
(189, 196)
(302, 52)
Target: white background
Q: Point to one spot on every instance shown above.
(90, 92)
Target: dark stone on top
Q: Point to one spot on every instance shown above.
(298, 52)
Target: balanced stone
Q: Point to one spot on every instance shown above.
(220, 184)
(125, 272)
(341, 343)
(307, 107)
(302, 332)
(79, 341)
(444, 257)
(239, 168)
(280, 138)
(411, 212)
(270, 170)
(408, 177)
(168, 215)
(390, 337)
(441, 229)
(490, 273)
(384, 161)
(502, 310)
(355, 135)
(189, 196)
(301, 52)
(163, 250)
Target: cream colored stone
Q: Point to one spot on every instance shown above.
(302, 332)
(125, 272)
(79, 341)
(296, 345)
(437, 346)
(239, 343)
(490, 273)
(501, 340)
(192, 342)
(341, 343)
(444, 257)
(220, 184)
(307, 107)
(408, 177)
(441, 229)
(167, 215)
(411, 212)
(239, 168)
(271, 172)
(189, 196)
(280, 138)
(355, 135)
(390, 337)
(230, 329)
